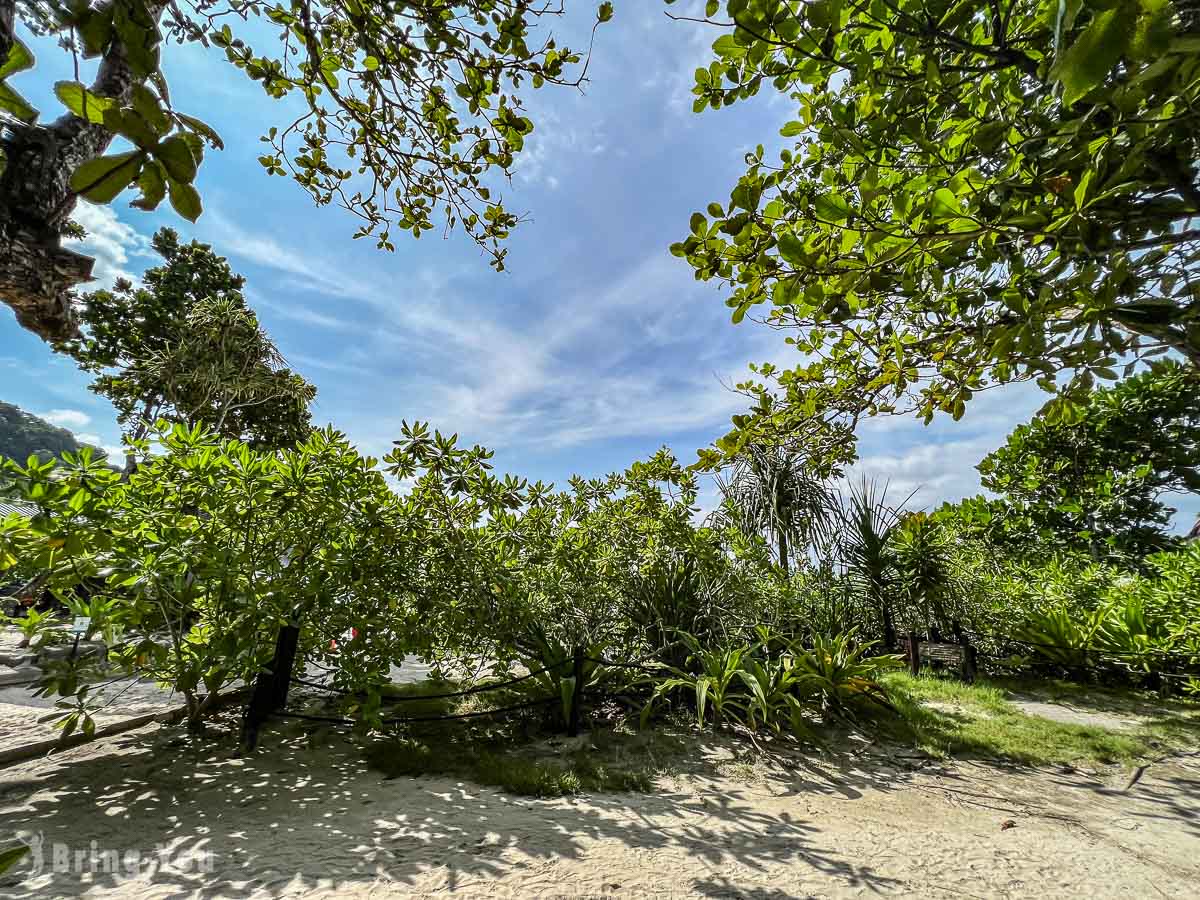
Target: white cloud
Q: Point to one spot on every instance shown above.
(928, 474)
(66, 418)
(599, 364)
(301, 362)
(679, 48)
(554, 146)
(87, 437)
(310, 272)
(305, 315)
(110, 241)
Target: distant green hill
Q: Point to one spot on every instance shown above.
(23, 433)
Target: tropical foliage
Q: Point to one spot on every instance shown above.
(973, 194)
(183, 345)
(1098, 480)
(423, 98)
(776, 683)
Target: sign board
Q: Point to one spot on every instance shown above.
(81, 624)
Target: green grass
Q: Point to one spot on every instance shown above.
(611, 763)
(979, 720)
(516, 752)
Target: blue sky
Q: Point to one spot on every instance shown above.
(596, 347)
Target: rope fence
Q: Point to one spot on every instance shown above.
(478, 689)
(1146, 654)
(400, 720)
(269, 698)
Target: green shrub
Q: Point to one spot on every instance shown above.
(758, 687)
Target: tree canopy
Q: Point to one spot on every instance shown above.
(406, 110)
(1100, 478)
(976, 193)
(184, 346)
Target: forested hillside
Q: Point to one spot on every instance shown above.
(22, 433)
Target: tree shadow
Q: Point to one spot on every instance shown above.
(1167, 790)
(1101, 699)
(297, 816)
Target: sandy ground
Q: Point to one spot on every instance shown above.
(305, 818)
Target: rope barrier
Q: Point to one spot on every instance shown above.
(479, 689)
(21, 683)
(1148, 654)
(399, 720)
(638, 664)
(613, 664)
(1185, 676)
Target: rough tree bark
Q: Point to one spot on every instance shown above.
(37, 273)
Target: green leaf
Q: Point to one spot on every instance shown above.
(1154, 30)
(139, 34)
(83, 103)
(177, 158)
(945, 204)
(186, 200)
(1082, 188)
(101, 179)
(204, 130)
(19, 58)
(792, 129)
(153, 186)
(832, 208)
(605, 13)
(148, 106)
(96, 30)
(14, 103)
(727, 45)
(791, 248)
(371, 63)
(1087, 62)
(10, 856)
(699, 224)
(129, 124)
(825, 13)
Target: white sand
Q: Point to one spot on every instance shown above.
(294, 821)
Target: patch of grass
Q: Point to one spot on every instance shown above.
(612, 762)
(978, 720)
(1170, 721)
(416, 701)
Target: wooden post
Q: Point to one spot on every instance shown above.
(576, 694)
(970, 660)
(970, 664)
(281, 665)
(914, 653)
(271, 687)
(257, 709)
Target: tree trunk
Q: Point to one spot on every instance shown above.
(889, 626)
(37, 274)
(783, 551)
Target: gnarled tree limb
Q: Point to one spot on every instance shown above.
(37, 274)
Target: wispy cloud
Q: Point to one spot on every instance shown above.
(302, 361)
(110, 241)
(66, 418)
(304, 315)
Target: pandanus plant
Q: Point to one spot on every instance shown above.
(774, 490)
(870, 524)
